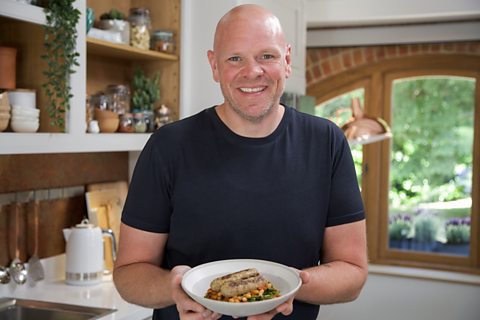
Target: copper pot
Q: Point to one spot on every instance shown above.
(8, 68)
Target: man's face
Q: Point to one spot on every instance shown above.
(251, 62)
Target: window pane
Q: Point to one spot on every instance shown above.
(339, 111)
(431, 164)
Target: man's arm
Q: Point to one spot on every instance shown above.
(344, 267)
(137, 275)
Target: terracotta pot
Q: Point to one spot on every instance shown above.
(8, 68)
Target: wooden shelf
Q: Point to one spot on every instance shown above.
(122, 51)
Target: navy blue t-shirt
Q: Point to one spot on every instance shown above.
(223, 196)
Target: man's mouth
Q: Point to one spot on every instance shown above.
(252, 90)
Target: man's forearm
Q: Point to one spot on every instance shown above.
(334, 282)
(144, 284)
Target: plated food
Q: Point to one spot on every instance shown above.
(246, 285)
(198, 280)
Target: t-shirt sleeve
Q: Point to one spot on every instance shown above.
(345, 204)
(148, 205)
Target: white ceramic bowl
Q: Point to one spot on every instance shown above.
(197, 280)
(22, 97)
(25, 111)
(24, 126)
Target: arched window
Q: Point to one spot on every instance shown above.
(421, 188)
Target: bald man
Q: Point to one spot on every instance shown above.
(247, 178)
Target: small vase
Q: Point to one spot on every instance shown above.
(8, 75)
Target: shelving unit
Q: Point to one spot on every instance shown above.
(101, 63)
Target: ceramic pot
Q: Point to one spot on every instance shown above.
(8, 75)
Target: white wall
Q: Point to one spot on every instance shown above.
(401, 298)
(321, 13)
(335, 22)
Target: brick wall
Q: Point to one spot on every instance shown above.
(326, 62)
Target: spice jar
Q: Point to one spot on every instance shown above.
(140, 26)
(126, 123)
(139, 123)
(162, 40)
(119, 96)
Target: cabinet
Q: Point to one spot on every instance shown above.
(101, 64)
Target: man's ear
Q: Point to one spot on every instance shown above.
(213, 65)
(288, 61)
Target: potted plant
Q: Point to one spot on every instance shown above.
(425, 233)
(145, 95)
(61, 57)
(457, 234)
(115, 21)
(400, 229)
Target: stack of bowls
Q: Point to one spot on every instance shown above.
(4, 117)
(25, 116)
(108, 120)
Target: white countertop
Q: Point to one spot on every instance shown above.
(54, 289)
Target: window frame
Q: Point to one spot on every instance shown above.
(377, 80)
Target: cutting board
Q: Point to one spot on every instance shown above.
(99, 217)
(112, 195)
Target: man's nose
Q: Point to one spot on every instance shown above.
(253, 69)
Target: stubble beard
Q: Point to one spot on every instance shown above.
(254, 118)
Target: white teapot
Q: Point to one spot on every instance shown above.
(85, 253)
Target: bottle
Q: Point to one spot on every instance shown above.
(140, 26)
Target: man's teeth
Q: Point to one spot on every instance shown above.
(251, 90)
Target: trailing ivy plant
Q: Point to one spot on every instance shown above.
(61, 57)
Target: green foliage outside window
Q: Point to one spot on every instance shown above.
(432, 140)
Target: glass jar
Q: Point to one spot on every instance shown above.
(140, 27)
(100, 101)
(139, 124)
(126, 123)
(162, 40)
(162, 116)
(119, 96)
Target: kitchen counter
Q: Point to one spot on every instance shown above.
(54, 289)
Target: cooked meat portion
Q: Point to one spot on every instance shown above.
(217, 283)
(233, 288)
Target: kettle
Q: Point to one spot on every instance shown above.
(85, 253)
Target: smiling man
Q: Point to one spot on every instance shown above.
(248, 178)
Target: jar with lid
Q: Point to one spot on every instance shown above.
(119, 96)
(100, 100)
(140, 27)
(126, 123)
(139, 124)
(162, 40)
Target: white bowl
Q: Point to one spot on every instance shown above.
(25, 118)
(24, 126)
(22, 97)
(196, 282)
(25, 111)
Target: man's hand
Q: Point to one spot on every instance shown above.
(187, 308)
(285, 308)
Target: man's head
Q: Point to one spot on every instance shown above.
(250, 60)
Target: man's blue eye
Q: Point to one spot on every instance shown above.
(268, 56)
(234, 58)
